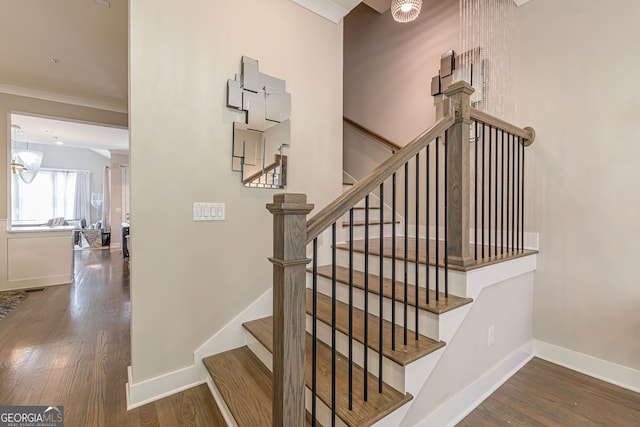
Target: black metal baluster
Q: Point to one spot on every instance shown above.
(406, 249)
(484, 126)
(428, 224)
(437, 205)
(508, 190)
(475, 195)
(393, 263)
(489, 191)
(522, 202)
(446, 216)
(314, 332)
(518, 224)
(502, 200)
(417, 245)
(351, 309)
(381, 288)
(333, 324)
(513, 195)
(366, 296)
(495, 228)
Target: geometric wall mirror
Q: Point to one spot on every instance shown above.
(260, 142)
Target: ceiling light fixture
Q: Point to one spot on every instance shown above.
(405, 10)
(27, 162)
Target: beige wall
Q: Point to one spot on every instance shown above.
(191, 278)
(577, 84)
(388, 67)
(22, 104)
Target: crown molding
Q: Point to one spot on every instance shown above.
(328, 9)
(65, 99)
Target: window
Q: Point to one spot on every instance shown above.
(51, 194)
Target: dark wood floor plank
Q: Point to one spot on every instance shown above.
(69, 345)
(545, 394)
(442, 305)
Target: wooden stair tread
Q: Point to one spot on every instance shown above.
(402, 355)
(437, 307)
(361, 208)
(363, 413)
(371, 222)
(245, 385)
(374, 249)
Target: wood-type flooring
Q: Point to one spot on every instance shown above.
(69, 345)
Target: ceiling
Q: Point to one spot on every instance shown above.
(44, 130)
(74, 51)
(73, 48)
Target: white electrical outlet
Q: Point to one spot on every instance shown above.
(491, 336)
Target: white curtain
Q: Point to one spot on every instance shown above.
(82, 207)
(106, 195)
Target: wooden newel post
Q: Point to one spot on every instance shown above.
(458, 190)
(289, 326)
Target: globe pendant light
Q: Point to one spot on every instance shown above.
(405, 10)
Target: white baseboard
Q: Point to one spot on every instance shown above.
(460, 405)
(229, 337)
(150, 390)
(613, 373)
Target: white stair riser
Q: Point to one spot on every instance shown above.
(374, 231)
(323, 414)
(428, 323)
(342, 258)
(359, 215)
(392, 373)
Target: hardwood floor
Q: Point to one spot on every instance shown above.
(545, 394)
(70, 345)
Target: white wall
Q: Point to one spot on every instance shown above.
(508, 307)
(188, 279)
(578, 86)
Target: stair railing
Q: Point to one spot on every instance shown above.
(440, 198)
(386, 143)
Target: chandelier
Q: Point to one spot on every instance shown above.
(405, 10)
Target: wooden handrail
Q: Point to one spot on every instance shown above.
(528, 134)
(264, 171)
(390, 145)
(347, 200)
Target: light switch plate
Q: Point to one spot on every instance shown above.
(208, 211)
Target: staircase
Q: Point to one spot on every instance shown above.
(243, 375)
(358, 342)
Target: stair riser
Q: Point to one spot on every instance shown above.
(323, 414)
(429, 323)
(392, 373)
(342, 256)
(374, 231)
(359, 215)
